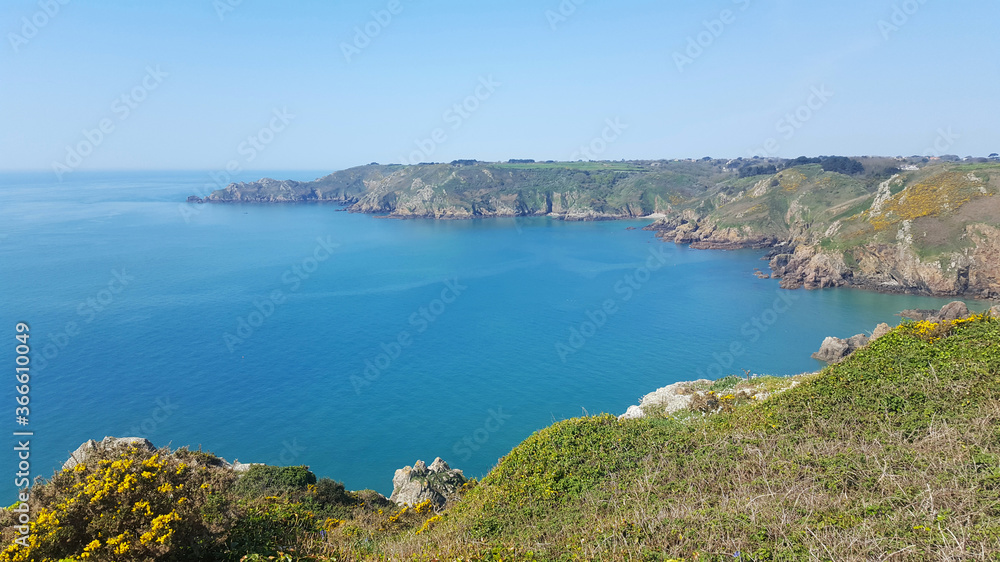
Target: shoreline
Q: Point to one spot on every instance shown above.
(775, 247)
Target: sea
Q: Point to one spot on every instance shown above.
(299, 334)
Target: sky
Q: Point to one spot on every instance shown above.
(317, 85)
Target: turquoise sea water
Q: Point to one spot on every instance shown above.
(296, 334)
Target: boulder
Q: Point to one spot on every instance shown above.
(857, 342)
(835, 350)
(832, 350)
(90, 447)
(633, 413)
(880, 330)
(437, 482)
(951, 311)
(994, 311)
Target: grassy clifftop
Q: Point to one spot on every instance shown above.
(891, 453)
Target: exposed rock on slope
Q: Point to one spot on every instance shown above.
(669, 399)
(91, 447)
(437, 482)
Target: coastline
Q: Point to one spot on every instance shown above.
(670, 229)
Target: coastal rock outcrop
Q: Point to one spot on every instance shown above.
(951, 311)
(437, 482)
(669, 399)
(807, 267)
(702, 234)
(835, 349)
(880, 330)
(90, 447)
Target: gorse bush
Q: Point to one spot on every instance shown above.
(132, 506)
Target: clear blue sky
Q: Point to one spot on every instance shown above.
(894, 90)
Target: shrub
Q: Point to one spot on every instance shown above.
(131, 506)
(263, 480)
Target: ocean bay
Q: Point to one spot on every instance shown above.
(479, 373)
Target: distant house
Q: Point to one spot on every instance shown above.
(909, 168)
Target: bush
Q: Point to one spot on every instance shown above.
(263, 480)
(131, 506)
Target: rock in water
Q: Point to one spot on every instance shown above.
(438, 483)
(951, 311)
(918, 314)
(834, 349)
(857, 342)
(88, 448)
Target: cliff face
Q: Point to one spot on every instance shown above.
(930, 230)
(974, 272)
(567, 190)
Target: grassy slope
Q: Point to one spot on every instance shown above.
(894, 451)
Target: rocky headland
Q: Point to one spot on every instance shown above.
(882, 224)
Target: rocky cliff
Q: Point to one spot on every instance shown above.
(933, 229)
(567, 190)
